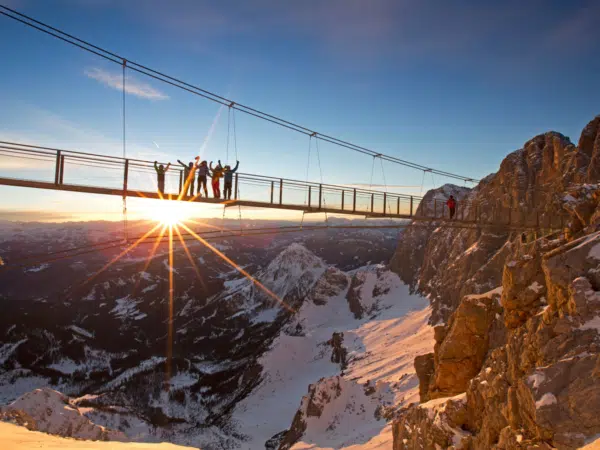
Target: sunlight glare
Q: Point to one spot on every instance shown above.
(169, 212)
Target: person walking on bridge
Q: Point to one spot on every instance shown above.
(203, 174)
(188, 178)
(228, 179)
(451, 203)
(160, 176)
(216, 174)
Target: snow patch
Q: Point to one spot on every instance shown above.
(547, 399)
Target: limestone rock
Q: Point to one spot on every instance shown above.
(460, 355)
(524, 289)
(432, 425)
(424, 366)
(339, 352)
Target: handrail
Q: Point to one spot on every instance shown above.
(50, 151)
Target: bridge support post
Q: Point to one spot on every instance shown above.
(384, 203)
(235, 194)
(62, 169)
(280, 191)
(272, 190)
(57, 169)
(411, 206)
(343, 192)
(309, 195)
(125, 177)
(354, 201)
(320, 194)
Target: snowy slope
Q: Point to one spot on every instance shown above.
(50, 411)
(381, 349)
(14, 437)
(385, 362)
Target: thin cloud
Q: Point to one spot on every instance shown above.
(132, 86)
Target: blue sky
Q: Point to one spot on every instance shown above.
(454, 85)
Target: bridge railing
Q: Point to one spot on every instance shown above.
(36, 163)
(546, 217)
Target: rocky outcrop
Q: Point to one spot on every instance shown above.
(339, 352)
(432, 425)
(412, 246)
(52, 412)
(459, 353)
(353, 297)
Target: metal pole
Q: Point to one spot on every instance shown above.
(280, 191)
(384, 202)
(354, 201)
(272, 189)
(57, 168)
(309, 195)
(62, 168)
(411, 206)
(125, 177)
(236, 187)
(320, 194)
(398, 206)
(343, 192)
(180, 180)
(372, 201)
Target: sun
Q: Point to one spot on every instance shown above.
(169, 212)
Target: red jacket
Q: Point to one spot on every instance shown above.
(451, 203)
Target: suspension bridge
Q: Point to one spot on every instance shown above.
(74, 171)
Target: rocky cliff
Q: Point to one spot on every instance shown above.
(516, 367)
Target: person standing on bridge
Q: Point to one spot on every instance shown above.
(451, 203)
(188, 178)
(202, 177)
(160, 176)
(216, 174)
(228, 179)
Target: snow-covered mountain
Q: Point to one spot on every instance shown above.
(102, 343)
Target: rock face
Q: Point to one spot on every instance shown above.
(525, 357)
(52, 412)
(338, 352)
(459, 355)
(432, 425)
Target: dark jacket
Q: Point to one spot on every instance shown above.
(228, 174)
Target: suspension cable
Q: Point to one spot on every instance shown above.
(139, 68)
(126, 232)
(385, 207)
(321, 174)
(236, 161)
